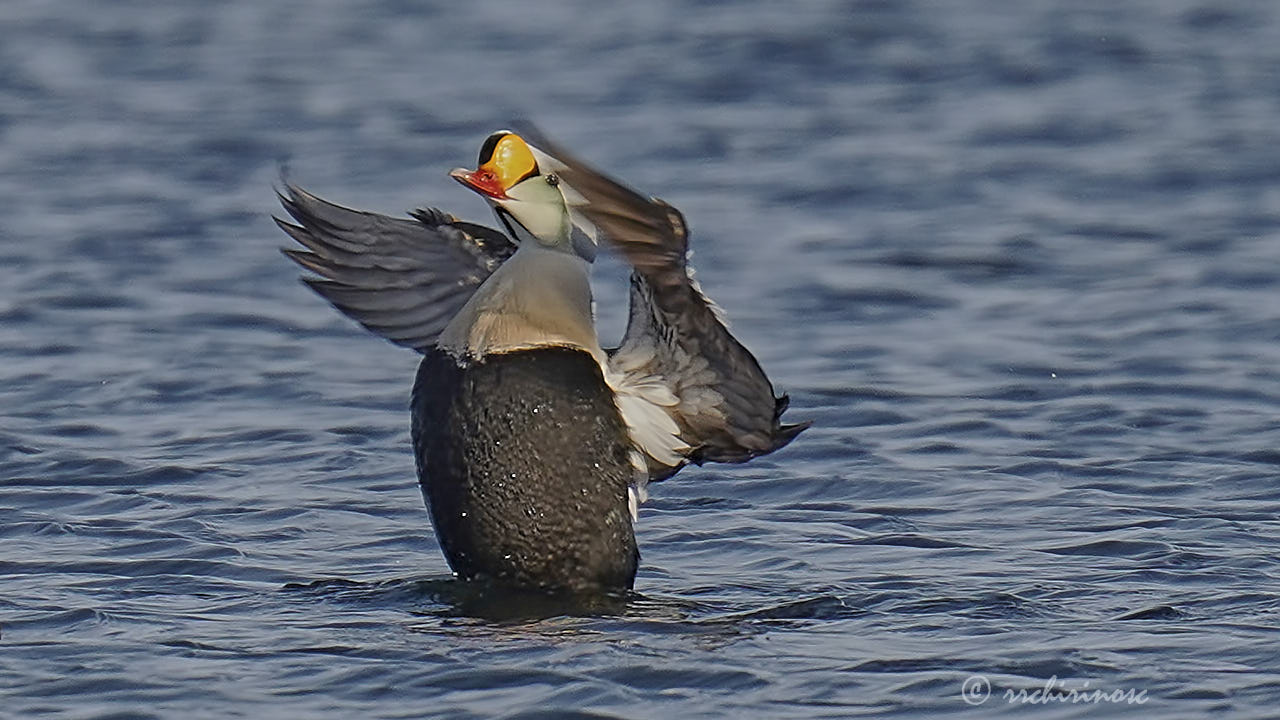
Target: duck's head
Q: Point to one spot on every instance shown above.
(524, 196)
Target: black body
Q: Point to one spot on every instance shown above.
(524, 462)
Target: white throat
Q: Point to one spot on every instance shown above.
(539, 297)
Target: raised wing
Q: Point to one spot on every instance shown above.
(689, 391)
(402, 278)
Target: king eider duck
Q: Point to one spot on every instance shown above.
(533, 443)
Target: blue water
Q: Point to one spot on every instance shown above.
(1019, 262)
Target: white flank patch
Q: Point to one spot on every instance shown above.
(645, 403)
(638, 490)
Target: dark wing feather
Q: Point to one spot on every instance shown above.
(677, 358)
(402, 278)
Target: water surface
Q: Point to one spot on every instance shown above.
(1019, 263)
